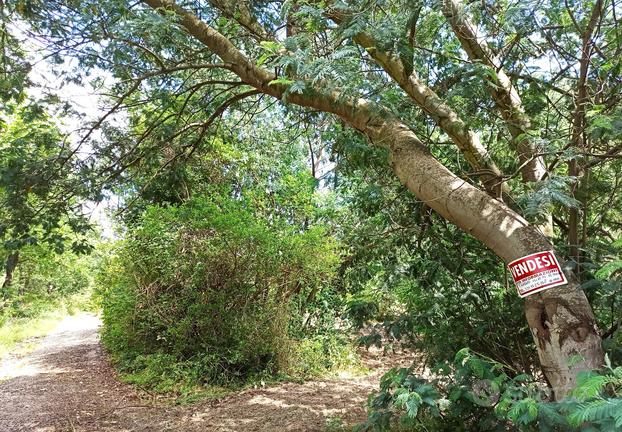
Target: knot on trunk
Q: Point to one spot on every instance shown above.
(538, 320)
(573, 322)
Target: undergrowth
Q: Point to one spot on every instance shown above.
(162, 375)
(477, 394)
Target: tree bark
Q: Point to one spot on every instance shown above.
(444, 116)
(579, 123)
(9, 268)
(502, 90)
(560, 318)
(505, 97)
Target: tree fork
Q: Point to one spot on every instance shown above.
(560, 319)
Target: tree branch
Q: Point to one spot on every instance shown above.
(443, 115)
(502, 91)
(470, 208)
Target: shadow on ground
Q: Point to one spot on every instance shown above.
(67, 384)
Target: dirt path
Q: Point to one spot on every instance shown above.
(66, 384)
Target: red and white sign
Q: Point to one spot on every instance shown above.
(536, 272)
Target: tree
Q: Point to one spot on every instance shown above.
(39, 183)
(368, 64)
(14, 67)
(41, 175)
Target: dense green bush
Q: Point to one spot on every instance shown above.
(603, 286)
(473, 393)
(207, 291)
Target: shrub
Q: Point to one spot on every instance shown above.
(210, 288)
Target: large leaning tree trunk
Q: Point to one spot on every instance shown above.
(560, 319)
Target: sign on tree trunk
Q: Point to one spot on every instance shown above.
(536, 272)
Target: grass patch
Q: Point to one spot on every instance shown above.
(179, 392)
(17, 330)
(201, 394)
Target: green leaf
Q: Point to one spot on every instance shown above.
(282, 81)
(591, 387)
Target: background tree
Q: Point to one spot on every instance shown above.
(43, 179)
(39, 186)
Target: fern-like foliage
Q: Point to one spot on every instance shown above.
(551, 192)
(601, 411)
(474, 393)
